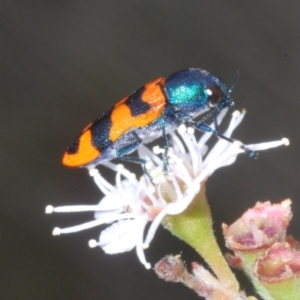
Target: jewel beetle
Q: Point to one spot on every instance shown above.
(152, 111)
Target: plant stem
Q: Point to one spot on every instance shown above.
(194, 226)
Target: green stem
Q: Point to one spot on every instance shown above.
(194, 226)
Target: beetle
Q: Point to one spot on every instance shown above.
(150, 112)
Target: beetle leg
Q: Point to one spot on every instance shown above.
(121, 154)
(205, 128)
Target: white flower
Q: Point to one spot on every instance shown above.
(131, 203)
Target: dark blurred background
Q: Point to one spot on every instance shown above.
(65, 62)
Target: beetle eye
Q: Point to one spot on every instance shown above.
(214, 94)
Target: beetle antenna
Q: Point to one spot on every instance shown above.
(234, 80)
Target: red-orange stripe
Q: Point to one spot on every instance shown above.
(86, 152)
(123, 121)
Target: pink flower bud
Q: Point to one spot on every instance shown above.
(280, 262)
(259, 227)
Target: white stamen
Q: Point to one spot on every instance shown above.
(130, 204)
(237, 144)
(267, 145)
(190, 130)
(93, 243)
(169, 189)
(93, 172)
(285, 141)
(154, 225)
(181, 129)
(160, 195)
(207, 135)
(176, 188)
(151, 189)
(258, 234)
(236, 113)
(132, 177)
(91, 224)
(193, 153)
(56, 231)
(147, 153)
(111, 165)
(75, 208)
(177, 143)
(139, 247)
(156, 149)
(149, 165)
(49, 209)
(102, 184)
(120, 167)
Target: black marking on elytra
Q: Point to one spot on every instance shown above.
(100, 131)
(73, 146)
(163, 89)
(136, 104)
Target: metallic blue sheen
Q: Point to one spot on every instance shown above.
(188, 93)
(187, 90)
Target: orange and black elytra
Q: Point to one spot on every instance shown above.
(150, 112)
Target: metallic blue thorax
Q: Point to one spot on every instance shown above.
(187, 90)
